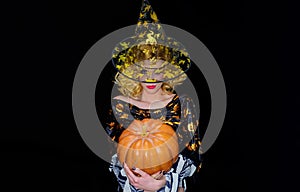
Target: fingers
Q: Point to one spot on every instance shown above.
(144, 181)
(130, 175)
(157, 175)
(133, 179)
(140, 172)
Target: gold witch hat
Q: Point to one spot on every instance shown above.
(150, 44)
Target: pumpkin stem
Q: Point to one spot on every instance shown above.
(144, 131)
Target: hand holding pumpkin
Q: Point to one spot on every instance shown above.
(144, 181)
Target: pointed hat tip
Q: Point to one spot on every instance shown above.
(147, 14)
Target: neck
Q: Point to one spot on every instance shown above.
(150, 98)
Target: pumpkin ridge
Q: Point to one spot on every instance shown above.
(155, 137)
(170, 152)
(143, 142)
(149, 147)
(164, 133)
(128, 146)
(152, 142)
(157, 155)
(165, 143)
(171, 135)
(134, 151)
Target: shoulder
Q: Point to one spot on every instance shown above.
(180, 99)
(125, 100)
(185, 97)
(187, 101)
(119, 103)
(121, 97)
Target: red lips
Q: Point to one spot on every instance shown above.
(151, 86)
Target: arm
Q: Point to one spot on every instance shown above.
(145, 181)
(116, 119)
(188, 131)
(183, 117)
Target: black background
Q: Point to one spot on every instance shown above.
(254, 43)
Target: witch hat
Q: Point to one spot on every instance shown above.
(151, 43)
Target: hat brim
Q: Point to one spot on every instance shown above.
(177, 64)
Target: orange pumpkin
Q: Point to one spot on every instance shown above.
(149, 145)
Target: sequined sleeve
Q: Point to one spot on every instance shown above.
(117, 119)
(188, 131)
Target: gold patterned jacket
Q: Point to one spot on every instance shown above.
(180, 113)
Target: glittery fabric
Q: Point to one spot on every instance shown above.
(149, 31)
(178, 113)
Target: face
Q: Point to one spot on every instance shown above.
(151, 79)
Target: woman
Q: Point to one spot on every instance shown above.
(147, 90)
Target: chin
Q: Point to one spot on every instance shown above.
(152, 91)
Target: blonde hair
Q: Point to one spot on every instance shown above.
(133, 88)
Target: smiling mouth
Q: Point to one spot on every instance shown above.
(151, 86)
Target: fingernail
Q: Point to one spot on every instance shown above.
(160, 172)
(133, 168)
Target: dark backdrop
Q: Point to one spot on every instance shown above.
(44, 42)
